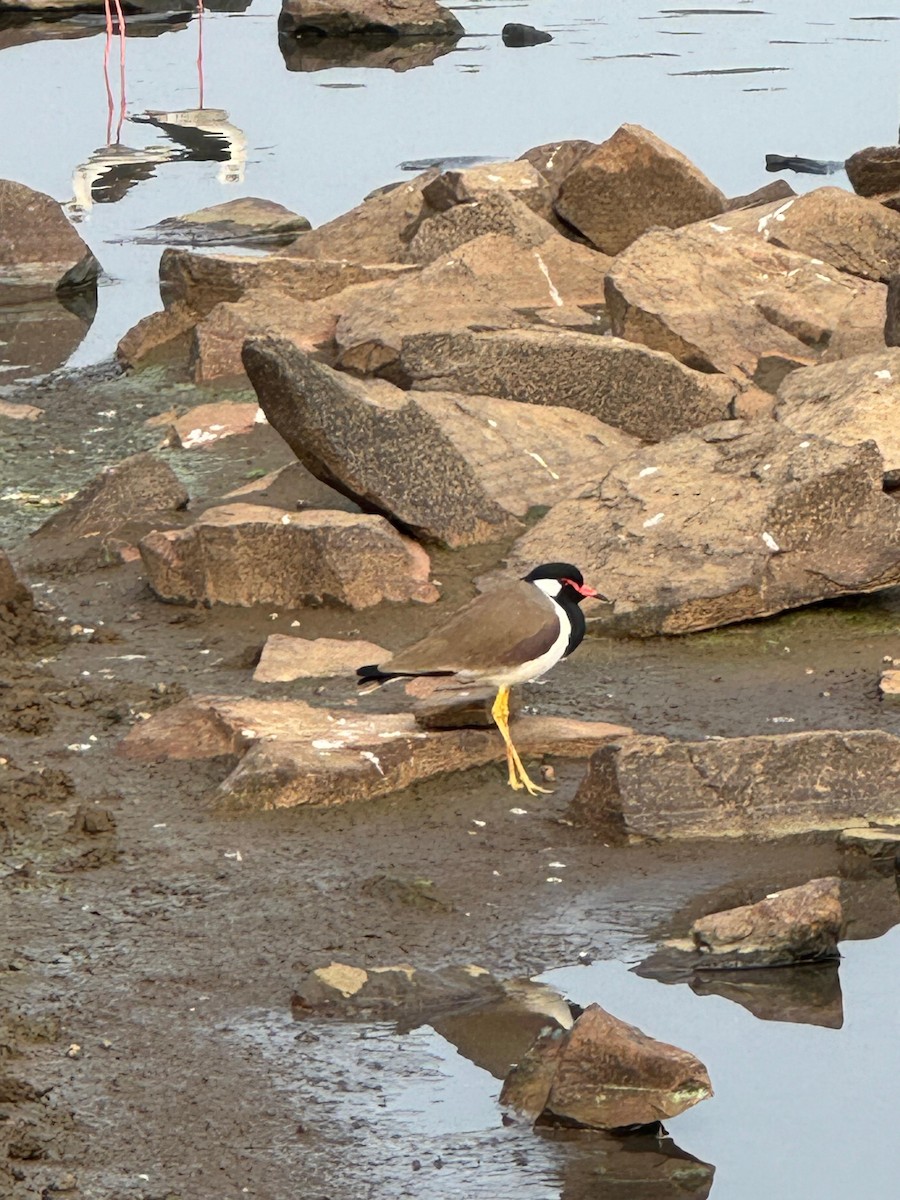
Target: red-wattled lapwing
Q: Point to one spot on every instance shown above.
(507, 636)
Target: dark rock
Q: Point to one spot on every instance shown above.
(767, 786)
(514, 34)
(21, 627)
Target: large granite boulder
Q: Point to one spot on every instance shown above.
(289, 753)
(449, 468)
(630, 183)
(647, 394)
(498, 211)
(605, 1074)
(41, 255)
(355, 18)
(734, 521)
(247, 554)
(854, 234)
(848, 402)
(764, 786)
(722, 300)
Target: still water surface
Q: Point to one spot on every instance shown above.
(725, 83)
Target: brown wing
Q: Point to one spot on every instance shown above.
(514, 623)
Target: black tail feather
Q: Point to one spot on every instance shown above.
(372, 676)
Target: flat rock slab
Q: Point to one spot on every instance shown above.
(348, 18)
(292, 753)
(247, 554)
(449, 468)
(247, 220)
(648, 787)
(285, 658)
(605, 1074)
(40, 252)
(797, 925)
(735, 521)
(207, 424)
(722, 300)
(633, 182)
(848, 402)
(644, 393)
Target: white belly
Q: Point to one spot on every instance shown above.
(524, 672)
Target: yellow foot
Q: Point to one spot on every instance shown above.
(532, 788)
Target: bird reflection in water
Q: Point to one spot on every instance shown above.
(193, 135)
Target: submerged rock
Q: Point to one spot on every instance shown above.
(605, 1074)
(449, 468)
(247, 220)
(765, 786)
(41, 255)
(247, 554)
(292, 753)
(514, 34)
(342, 990)
(633, 182)
(797, 925)
(734, 521)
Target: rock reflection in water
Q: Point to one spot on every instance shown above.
(40, 336)
(392, 54)
(496, 1036)
(643, 1166)
(807, 995)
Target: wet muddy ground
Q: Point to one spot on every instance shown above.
(164, 939)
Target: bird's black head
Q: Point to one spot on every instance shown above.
(563, 581)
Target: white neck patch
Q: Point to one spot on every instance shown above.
(550, 587)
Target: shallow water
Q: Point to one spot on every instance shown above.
(799, 1110)
(725, 83)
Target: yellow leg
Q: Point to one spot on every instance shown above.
(518, 776)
